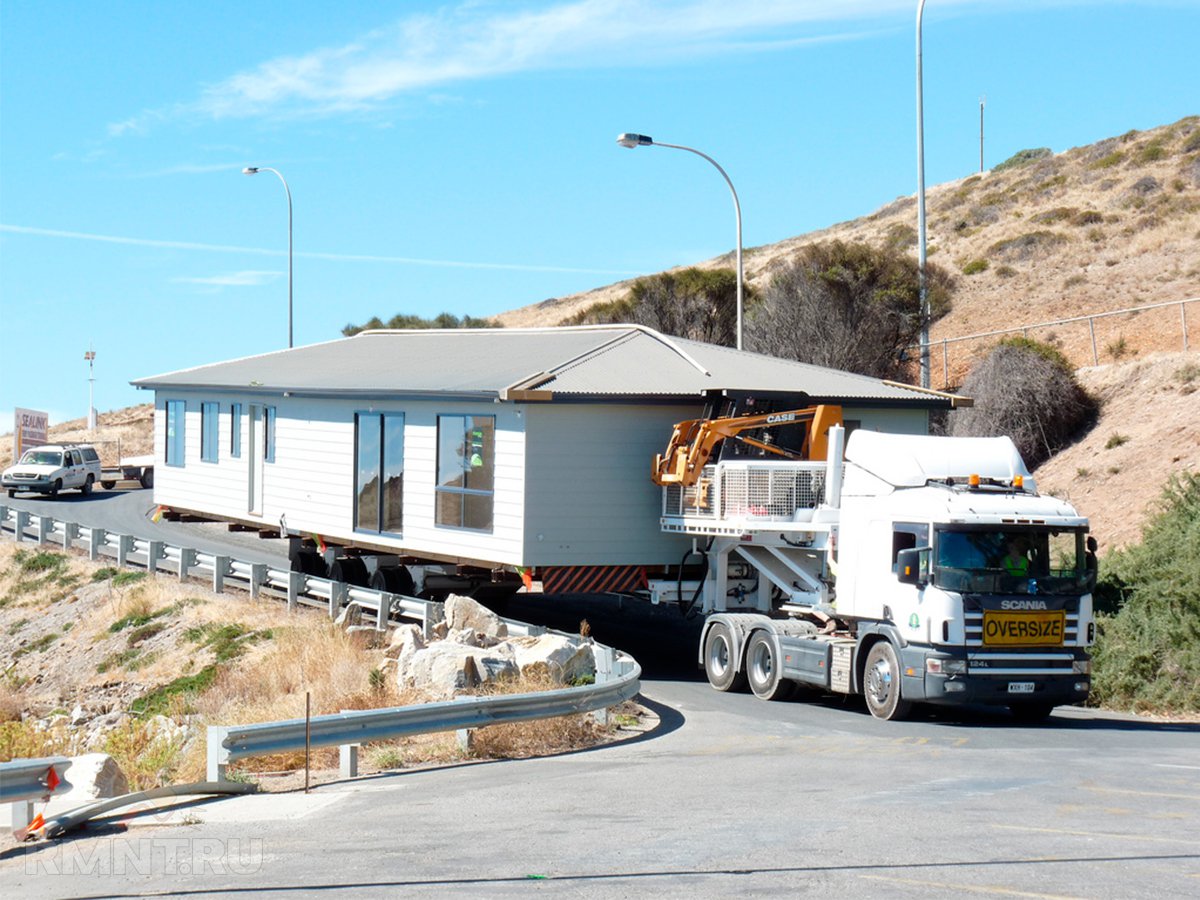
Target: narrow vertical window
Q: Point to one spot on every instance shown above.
(235, 430)
(209, 429)
(176, 414)
(367, 479)
(466, 469)
(269, 434)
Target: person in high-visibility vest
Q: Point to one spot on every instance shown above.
(1016, 563)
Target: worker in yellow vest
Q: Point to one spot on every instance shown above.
(1016, 563)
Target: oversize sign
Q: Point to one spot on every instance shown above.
(30, 427)
(1027, 629)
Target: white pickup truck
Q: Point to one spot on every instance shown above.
(53, 468)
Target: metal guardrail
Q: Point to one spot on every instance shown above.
(24, 780)
(617, 681)
(617, 675)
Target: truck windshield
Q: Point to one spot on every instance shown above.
(42, 458)
(991, 560)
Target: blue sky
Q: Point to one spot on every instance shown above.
(462, 156)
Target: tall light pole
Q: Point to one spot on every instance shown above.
(921, 287)
(90, 356)
(254, 170)
(643, 140)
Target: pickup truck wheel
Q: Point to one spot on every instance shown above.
(56, 487)
(12, 492)
(881, 683)
(86, 487)
(763, 669)
(147, 479)
(108, 485)
(1031, 713)
(720, 664)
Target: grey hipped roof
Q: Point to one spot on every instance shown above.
(577, 363)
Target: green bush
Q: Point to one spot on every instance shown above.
(1147, 654)
(975, 266)
(1024, 157)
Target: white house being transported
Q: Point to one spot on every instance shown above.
(485, 450)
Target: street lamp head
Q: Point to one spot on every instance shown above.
(631, 140)
(250, 170)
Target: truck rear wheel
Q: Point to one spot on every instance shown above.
(763, 669)
(881, 683)
(720, 664)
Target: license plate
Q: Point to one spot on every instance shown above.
(1040, 628)
(1020, 687)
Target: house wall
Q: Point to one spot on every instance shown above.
(311, 480)
(589, 499)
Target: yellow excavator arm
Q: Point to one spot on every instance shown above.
(693, 441)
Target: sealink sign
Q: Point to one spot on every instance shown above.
(30, 427)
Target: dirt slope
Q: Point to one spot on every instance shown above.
(1149, 429)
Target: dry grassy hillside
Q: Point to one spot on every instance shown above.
(118, 433)
(1098, 228)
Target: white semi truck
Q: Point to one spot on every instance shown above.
(915, 570)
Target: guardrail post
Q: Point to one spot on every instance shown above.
(605, 658)
(466, 739)
(218, 755)
(297, 585)
(1183, 323)
(220, 570)
(22, 814)
(258, 577)
(384, 611)
(3, 515)
(187, 559)
(124, 548)
(338, 591)
(95, 542)
(45, 529)
(348, 760)
(434, 613)
(22, 524)
(153, 555)
(70, 534)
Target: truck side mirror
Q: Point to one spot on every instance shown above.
(912, 566)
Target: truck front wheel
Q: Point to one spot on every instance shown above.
(881, 683)
(720, 664)
(763, 670)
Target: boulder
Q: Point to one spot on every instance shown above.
(444, 668)
(93, 776)
(468, 637)
(406, 639)
(463, 612)
(351, 615)
(564, 659)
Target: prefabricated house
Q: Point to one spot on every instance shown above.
(484, 447)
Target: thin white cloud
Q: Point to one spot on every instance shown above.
(477, 39)
(330, 257)
(248, 278)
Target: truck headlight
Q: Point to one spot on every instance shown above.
(940, 666)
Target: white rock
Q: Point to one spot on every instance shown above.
(404, 641)
(79, 715)
(444, 668)
(93, 776)
(463, 612)
(564, 658)
(468, 637)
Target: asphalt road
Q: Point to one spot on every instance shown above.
(726, 795)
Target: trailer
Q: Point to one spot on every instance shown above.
(128, 471)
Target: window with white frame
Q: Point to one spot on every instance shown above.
(466, 468)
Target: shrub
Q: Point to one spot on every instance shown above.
(1026, 246)
(1116, 440)
(1005, 271)
(1108, 161)
(1088, 217)
(1117, 349)
(697, 304)
(975, 266)
(1151, 152)
(1026, 390)
(1023, 158)
(1147, 654)
(1052, 216)
(847, 306)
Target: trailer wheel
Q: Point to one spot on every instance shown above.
(350, 570)
(147, 478)
(720, 664)
(86, 487)
(108, 485)
(881, 683)
(394, 580)
(763, 669)
(1031, 713)
(310, 563)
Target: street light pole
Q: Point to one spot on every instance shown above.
(254, 170)
(921, 286)
(90, 356)
(643, 140)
